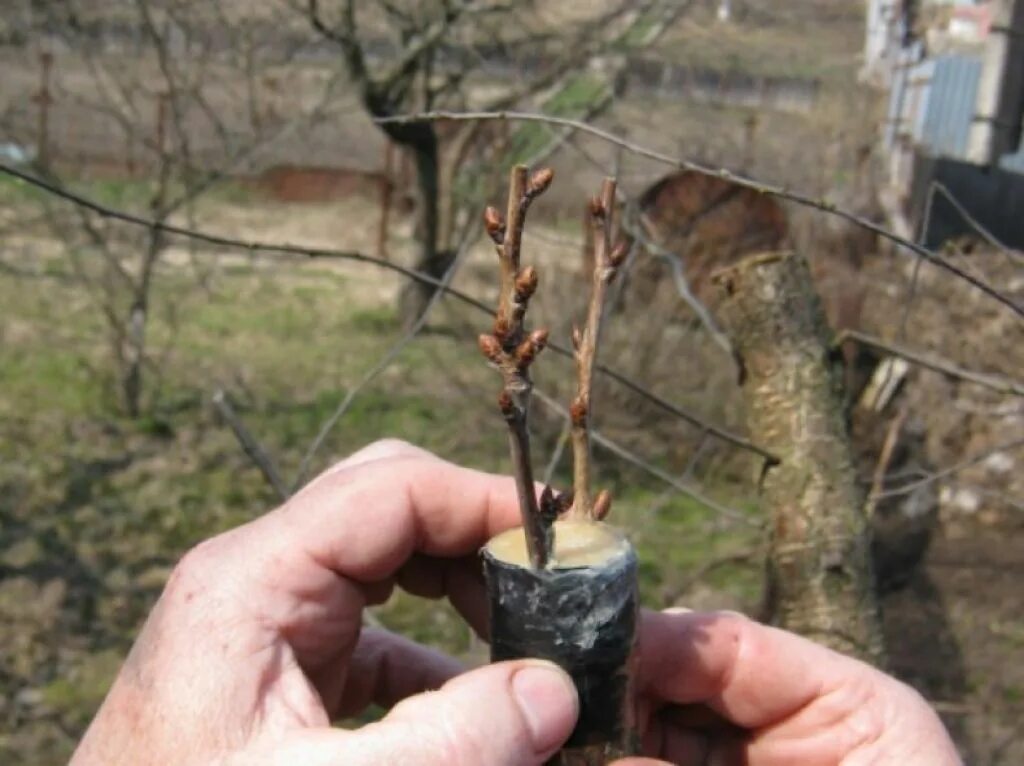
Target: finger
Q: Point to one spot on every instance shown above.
(386, 668)
(460, 580)
(310, 747)
(364, 523)
(751, 674)
(381, 449)
(509, 714)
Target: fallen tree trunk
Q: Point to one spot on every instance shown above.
(819, 578)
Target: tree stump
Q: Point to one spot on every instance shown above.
(819, 577)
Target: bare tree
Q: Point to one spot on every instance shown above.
(185, 117)
(440, 54)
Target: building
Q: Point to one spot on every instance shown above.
(955, 78)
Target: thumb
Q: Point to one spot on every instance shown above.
(512, 713)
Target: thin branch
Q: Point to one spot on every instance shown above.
(726, 559)
(607, 259)
(892, 434)
(371, 374)
(1013, 255)
(512, 351)
(556, 453)
(906, 489)
(257, 454)
(270, 249)
(772, 190)
(1000, 383)
(675, 264)
(631, 457)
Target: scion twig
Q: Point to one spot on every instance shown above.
(607, 259)
(512, 350)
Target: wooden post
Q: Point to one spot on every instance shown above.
(819, 579)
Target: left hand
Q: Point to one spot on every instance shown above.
(256, 644)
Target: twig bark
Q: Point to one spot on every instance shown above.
(511, 350)
(607, 259)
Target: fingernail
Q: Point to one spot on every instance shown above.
(547, 699)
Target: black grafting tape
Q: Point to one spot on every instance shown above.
(584, 619)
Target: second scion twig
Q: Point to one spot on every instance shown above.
(607, 260)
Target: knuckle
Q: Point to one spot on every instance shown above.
(197, 565)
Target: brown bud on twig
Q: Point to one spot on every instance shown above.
(577, 337)
(501, 328)
(548, 504)
(494, 224)
(526, 283)
(527, 351)
(618, 254)
(596, 208)
(564, 501)
(539, 181)
(506, 405)
(490, 347)
(578, 412)
(602, 505)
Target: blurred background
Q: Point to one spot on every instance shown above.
(218, 275)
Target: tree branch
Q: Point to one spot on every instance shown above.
(950, 470)
(249, 444)
(1000, 383)
(772, 190)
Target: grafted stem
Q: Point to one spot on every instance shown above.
(512, 350)
(607, 260)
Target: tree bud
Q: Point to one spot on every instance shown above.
(618, 254)
(578, 412)
(527, 351)
(602, 505)
(526, 284)
(494, 224)
(539, 181)
(490, 347)
(506, 405)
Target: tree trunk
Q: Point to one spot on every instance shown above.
(819, 579)
(430, 260)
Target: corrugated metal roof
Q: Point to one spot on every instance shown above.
(949, 108)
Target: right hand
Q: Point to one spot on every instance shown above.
(719, 688)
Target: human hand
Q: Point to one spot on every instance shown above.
(255, 644)
(721, 689)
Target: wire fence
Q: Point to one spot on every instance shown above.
(706, 428)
